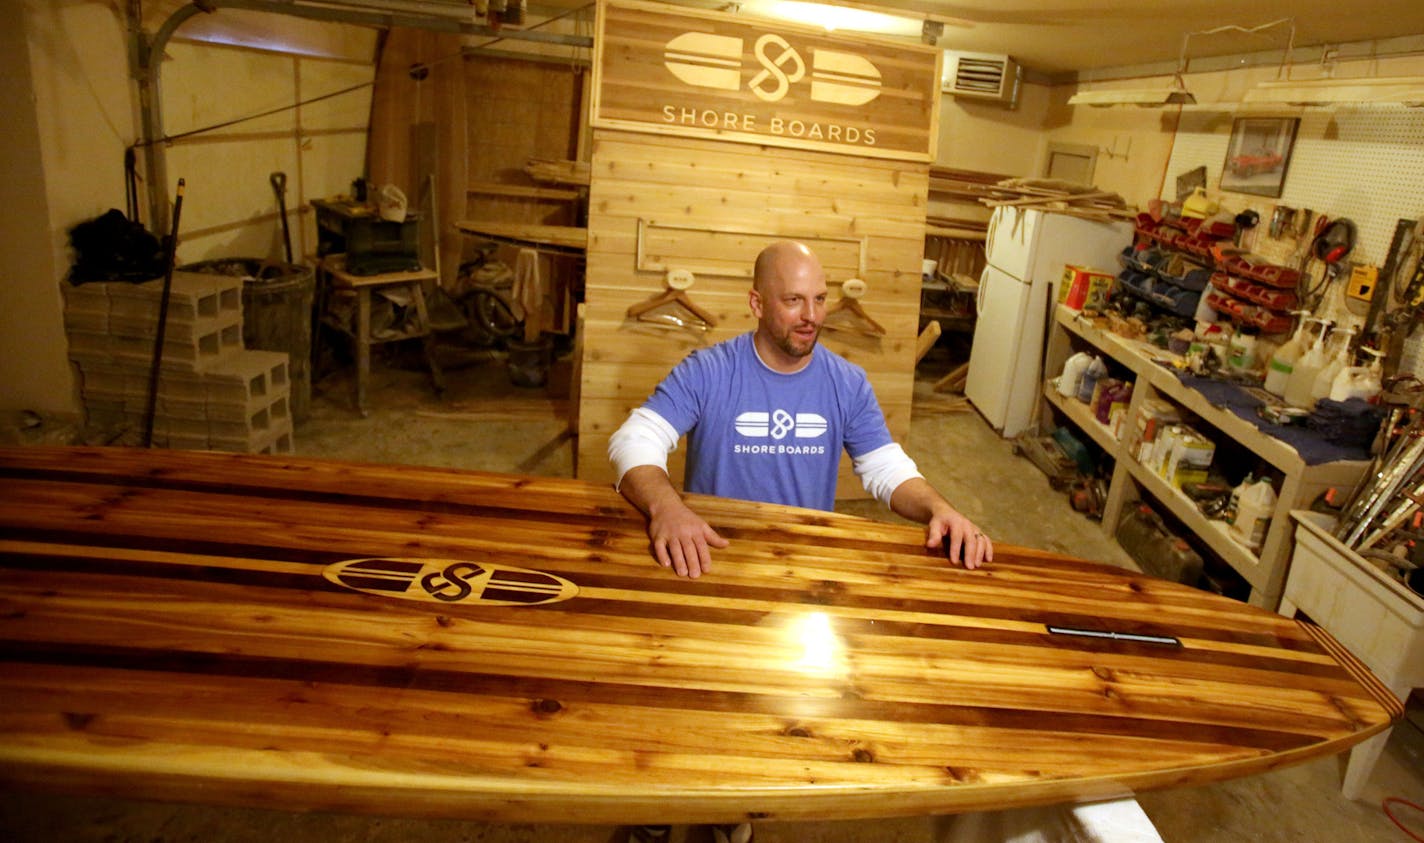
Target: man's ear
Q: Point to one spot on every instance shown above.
(754, 302)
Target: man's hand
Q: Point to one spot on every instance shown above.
(960, 539)
(945, 527)
(681, 540)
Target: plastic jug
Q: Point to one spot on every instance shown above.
(1253, 513)
(1278, 371)
(1302, 377)
(1073, 373)
(1337, 358)
(1095, 370)
(1358, 381)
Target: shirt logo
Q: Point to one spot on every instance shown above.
(778, 423)
(715, 61)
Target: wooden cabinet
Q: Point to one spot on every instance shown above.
(1297, 483)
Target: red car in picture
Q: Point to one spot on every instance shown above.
(1261, 161)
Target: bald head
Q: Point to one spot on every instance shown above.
(788, 298)
(785, 259)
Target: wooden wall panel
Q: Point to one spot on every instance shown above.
(702, 189)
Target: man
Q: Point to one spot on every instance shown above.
(767, 414)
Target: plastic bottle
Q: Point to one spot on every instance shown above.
(1253, 513)
(1096, 369)
(1073, 373)
(1358, 381)
(1241, 351)
(1302, 377)
(1337, 358)
(1278, 371)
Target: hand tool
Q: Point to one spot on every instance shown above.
(153, 373)
(279, 184)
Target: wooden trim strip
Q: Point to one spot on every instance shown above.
(1357, 669)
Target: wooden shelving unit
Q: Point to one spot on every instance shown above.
(1299, 483)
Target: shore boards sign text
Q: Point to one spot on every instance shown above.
(754, 80)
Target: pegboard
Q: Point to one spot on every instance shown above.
(1363, 164)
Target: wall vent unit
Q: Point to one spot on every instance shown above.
(985, 76)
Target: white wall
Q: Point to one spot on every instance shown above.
(68, 117)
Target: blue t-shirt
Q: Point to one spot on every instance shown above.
(760, 435)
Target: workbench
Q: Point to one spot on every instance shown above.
(337, 281)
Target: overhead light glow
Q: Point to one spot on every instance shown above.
(831, 17)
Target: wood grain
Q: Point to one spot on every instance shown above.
(166, 632)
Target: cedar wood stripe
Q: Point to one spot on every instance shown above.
(423, 502)
(593, 606)
(597, 534)
(832, 597)
(306, 487)
(544, 693)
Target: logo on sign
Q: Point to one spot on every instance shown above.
(450, 581)
(705, 60)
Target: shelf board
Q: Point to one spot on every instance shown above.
(1078, 413)
(1216, 534)
(1141, 359)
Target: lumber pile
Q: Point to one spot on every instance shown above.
(557, 172)
(964, 185)
(1061, 197)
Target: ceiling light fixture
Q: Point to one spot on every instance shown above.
(1400, 90)
(1362, 92)
(1176, 92)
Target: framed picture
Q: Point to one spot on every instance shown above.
(1258, 155)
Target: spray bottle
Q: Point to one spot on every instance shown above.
(1278, 371)
(1338, 357)
(1302, 376)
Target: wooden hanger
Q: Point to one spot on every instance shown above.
(675, 296)
(855, 318)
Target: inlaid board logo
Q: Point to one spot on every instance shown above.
(448, 581)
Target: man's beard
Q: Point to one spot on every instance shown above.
(790, 343)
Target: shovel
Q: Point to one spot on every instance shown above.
(279, 184)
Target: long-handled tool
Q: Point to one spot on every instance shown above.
(279, 184)
(162, 319)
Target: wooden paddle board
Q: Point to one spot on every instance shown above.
(310, 634)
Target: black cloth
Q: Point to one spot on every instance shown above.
(111, 248)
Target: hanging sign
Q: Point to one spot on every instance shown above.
(755, 80)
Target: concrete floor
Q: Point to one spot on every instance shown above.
(486, 423)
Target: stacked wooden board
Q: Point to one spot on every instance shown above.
(276, 631)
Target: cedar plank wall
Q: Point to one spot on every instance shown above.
(766, 192)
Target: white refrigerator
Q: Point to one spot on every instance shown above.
(1026, 251)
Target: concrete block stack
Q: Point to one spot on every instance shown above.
(213, 394)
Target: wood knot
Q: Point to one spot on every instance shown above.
(547, 707)
(797, 732)
(863, 755)
(444, 620)
(78, 721)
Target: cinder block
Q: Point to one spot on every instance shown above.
(262, 419)
(247, 378)
(276, 439)
(179, 354)
(194, 296)
(174, 330)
